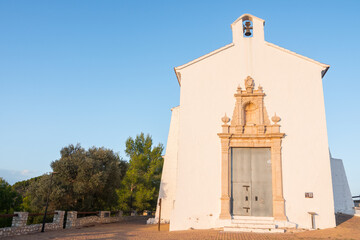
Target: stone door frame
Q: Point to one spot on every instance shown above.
(261, 134)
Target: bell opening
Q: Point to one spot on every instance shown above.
(248, 28)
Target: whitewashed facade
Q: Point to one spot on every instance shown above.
(197, 188)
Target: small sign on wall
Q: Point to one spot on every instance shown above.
(309, 195)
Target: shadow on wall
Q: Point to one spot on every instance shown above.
(341, 218)
(162, 195)
(343, 201)
(162, 192)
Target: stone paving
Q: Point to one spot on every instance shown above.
(348, 228)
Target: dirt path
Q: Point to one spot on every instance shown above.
(349, 229)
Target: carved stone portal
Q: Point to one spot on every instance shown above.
(250, 127)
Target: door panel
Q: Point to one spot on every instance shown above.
(261, 182)
(241, 181)
(251, 182)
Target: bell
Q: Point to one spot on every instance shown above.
(247, 29)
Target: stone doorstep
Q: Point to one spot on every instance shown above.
(255, 230)
(252, 222)
(249, 225)
(253, 218)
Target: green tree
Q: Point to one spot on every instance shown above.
(10, 201)
(84, 180)
(140, 186)
(21, 187)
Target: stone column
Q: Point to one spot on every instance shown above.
(119, 214)
(104, 216)
(20, 220)
(59, 218)
(240, 113)
(261, 110)
(225, 197)
(278, 199)
(71, 219)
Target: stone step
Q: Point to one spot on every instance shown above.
(254, 221)
(253, 218)
(247, 225)
(256, 230)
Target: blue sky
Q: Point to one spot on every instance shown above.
(97, 72)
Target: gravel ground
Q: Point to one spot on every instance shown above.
(348, 228)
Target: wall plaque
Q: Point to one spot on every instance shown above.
(309, 195)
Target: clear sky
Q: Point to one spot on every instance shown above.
(97, 72)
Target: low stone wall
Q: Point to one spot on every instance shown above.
(103, 217)
(19, 227)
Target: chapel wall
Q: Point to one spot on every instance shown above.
(169, 172)
(293, 88)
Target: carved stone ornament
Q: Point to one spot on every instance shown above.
(225, 119)
(250, 127)
(275, 119)
(238, 90)
(249, 84)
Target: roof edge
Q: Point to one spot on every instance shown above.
(323, 65)
(173, 108)
(204, 56)
(247, 15)
(323, 72)
(176, 69)
(178, 74)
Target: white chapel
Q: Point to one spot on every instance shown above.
(247, 148)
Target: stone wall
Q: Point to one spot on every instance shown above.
(103, 217)
(19, 227)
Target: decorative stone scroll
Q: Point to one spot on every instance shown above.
(250, 127)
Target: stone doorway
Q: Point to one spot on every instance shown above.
(250, 128)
